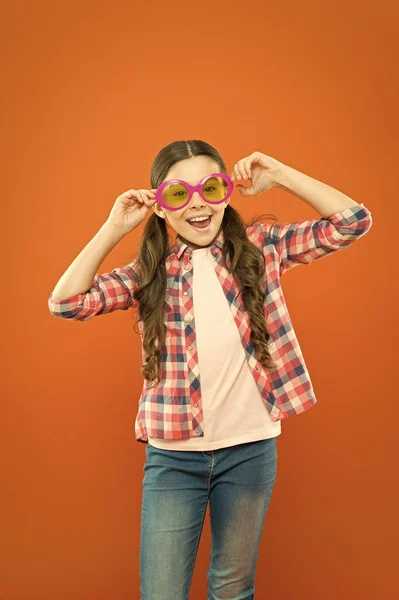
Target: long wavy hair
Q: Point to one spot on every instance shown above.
(247, 265)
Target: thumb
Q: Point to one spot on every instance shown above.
(244, 190)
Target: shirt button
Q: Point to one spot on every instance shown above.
(188, 319)
(195, 404)
(186, 268)
(190, 348)
(192, 377)
(185, 293)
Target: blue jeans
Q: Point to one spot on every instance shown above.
(238, 482)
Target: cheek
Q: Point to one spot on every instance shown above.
(218, 216)
(176, 221)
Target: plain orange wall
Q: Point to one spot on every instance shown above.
(91, 92)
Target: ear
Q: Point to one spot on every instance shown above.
(158, 210)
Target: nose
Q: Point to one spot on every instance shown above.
(196, 200)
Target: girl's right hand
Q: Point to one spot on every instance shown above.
(130, 209)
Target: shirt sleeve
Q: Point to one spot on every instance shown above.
(109, 292)
(302, 242)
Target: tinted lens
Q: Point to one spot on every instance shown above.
(175, 195)
(214, 190)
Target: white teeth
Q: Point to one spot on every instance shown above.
(198, 219)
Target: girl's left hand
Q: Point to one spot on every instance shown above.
(261, 169)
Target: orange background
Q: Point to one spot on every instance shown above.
(91, 92)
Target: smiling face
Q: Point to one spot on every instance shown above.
(193, 170)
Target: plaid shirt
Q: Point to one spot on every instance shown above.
(172, 410)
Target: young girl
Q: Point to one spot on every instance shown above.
(221, 362)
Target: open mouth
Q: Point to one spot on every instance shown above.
(203, 225)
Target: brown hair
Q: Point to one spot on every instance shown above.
(247, 264)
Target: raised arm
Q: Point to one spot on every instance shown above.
(302, 242)
(81, 293)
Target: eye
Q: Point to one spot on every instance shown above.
(209, 187)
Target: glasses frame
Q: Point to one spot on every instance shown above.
(193, 188)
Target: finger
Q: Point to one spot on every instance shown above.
(130, 196)
(248, 164)
(242, 169)
(150, 197)
(236, 172)
(149, 193)
(140, 196)
(147, 198)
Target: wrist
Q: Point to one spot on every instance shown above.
(113, 231)
(282, 177)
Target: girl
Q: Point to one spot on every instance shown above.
(221, 362)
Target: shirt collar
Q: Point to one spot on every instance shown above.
(181, 246)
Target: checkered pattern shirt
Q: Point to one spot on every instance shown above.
(172, 410)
